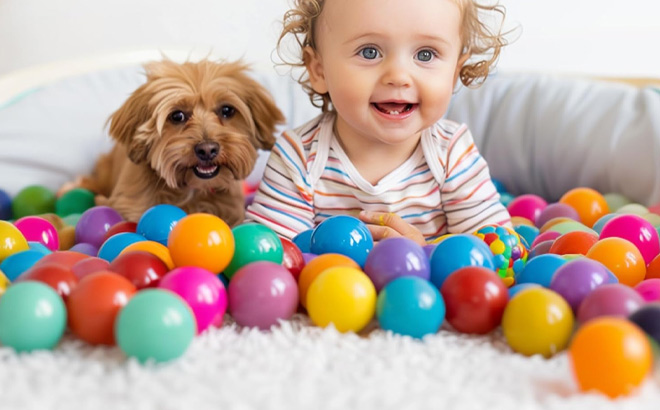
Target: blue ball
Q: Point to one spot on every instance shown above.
(19, 262)
(113, 246)
(5, 206)
(513, 290)
(527, 234)
(303, 240)
(157, 222)
(345, 235)
(499, 185)
(598, 226)
(39, 247)
(410, 306)
(458, 251)
(540, 269)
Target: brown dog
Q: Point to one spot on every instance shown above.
(187, 137)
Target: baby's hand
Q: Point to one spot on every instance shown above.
(389, 225)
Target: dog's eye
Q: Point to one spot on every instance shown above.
(227, 111)
(178, 117)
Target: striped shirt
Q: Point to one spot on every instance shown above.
(444, 187)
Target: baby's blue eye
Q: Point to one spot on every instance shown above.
(369, 53)
(425, 55)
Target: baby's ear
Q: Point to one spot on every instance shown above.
(125, 121)
(265, 114)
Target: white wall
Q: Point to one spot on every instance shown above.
(602, 37)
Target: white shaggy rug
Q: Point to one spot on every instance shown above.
(298, 366)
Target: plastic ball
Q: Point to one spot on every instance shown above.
(509, 254)
(647, 318)
(527, 234)
(14, 265)
(515, 289)
(117, 243)
(540, 249)
(653, 268)
(556, 210)
(262, 293)
(410, 306)
(12, 240)
(575, 279)
(458, 251)
(342, 234)
(75, 201)
(540, 269)
(157, 222)
(621, 257)
(475, 298)
(33, 200)
(528, 206)
(610, 355)
(155, 325)
(292, 258)
(94, 303)
(612, 299)
(315, 267)
(5, 206)
(589, 204)
(202, 240)
(545, 236)
(142, 269)
(155, 248)
(537, 321)
(615, 201)
(119, 227)
(506, 198)
(254, 242)
(637, 230)
(94, 223)
(343, 296)
(71, 219)
(65, 258)
(392, 258)
(88, 266)
(58, 277)
(571, 226)
(636, 209)
(428, 250)
(202, 290)
(40, 230)
(86, 248)
(649, 290)
(4, 283)
(303, 240)
(32, 317)
(499, 185)
(576, 242)
(598, 226)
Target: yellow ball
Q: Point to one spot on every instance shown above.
(11, 240)
(4, 283)
(343, 296)
(537, 321)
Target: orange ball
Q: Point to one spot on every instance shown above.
(653, 269)
(621, 257)
(573, 243)
(201, 240)
(610, 355)
(154, 248)
(589, 204)
(318, 265)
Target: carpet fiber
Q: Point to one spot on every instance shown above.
(299, 366)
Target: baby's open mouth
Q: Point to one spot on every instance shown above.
(393, 108)
(206, 171)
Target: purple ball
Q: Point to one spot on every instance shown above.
(94, 223)
(261, 293)
(556, 210)
(428, 249)
(308, 257)
(612, 299)
(575, 279)
(86, 248)
(392, 258)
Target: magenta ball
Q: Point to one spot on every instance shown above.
(202, 290)
(635, 229)
(612, 299)
(37, 229)
(261, 293)
(392, 258)
(94, 223)
(649, 289)
(527, 206)
(545, 236)
(556, 210)
(575, 279)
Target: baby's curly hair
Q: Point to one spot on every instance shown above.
(479, 40)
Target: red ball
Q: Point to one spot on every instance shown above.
(58, 277)
(143, 269)
(66, 258)
(292, 258)
(88, 266)
(475, 298)
(574, 242)
(119, 227)
(93, 306)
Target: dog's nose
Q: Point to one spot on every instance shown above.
(206, 151)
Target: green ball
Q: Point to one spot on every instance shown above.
(76, 201)
(32, 317)
(71, 219)
(33, 200)
(254, 242)
(155, 324)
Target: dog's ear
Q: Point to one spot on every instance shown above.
(265, 113)
(125, 121)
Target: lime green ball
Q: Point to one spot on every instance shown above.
(33, 200)
(254, 242)
(76, 201)
(155, 324)
(32, 317)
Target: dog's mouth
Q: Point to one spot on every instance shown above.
(206, 171)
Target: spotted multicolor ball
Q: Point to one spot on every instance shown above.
(510, 255)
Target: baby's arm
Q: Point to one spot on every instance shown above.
(469, 197)
(283, 200)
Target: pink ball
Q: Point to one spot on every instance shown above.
(612, 299)
(545, 236)
(261, 293)
(649, 289)
(635, 229)
(528, 206)
(37, 229)
(202, 290)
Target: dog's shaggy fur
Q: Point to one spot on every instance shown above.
(187, 137)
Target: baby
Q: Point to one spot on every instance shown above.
(383, 73)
